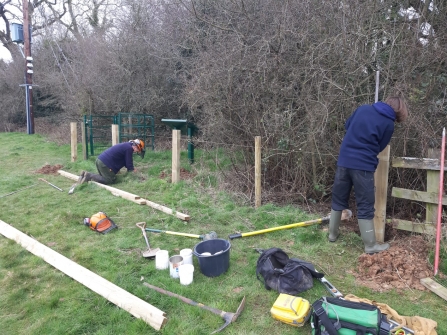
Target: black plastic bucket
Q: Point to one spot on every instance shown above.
(219, 260)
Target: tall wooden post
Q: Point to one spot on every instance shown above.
(381, 185)
(257, 171)
(74, 141)
(175, 155)
(431, 210)
(115, 134)
(28, 69)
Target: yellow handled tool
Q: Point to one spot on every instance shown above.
(345, 215)
(210, 236)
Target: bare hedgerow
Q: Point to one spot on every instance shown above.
(289, 71)
(292, 72)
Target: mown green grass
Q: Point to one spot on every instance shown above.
(39, 299)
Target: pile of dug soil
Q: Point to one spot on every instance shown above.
(49, 169)
(184, 174)
(400, 267)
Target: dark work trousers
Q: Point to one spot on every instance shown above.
(109, 175)
(363, 182)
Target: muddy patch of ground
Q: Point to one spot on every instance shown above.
(49, 169)
(184, 174)
(400, 267)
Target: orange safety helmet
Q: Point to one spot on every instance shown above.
(100, 222)
(140, 145)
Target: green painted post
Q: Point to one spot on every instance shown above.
(190, 146)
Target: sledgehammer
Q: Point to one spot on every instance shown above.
(227, 316)
(346, 214)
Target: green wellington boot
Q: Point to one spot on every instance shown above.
(369, 237)
(334, 224)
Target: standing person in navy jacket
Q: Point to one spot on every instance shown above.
(368, 132)
(110, 162)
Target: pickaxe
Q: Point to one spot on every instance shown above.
(227, 316)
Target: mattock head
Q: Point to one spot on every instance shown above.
(230, 317)
(346, 214)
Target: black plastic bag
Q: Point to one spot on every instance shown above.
(284, 274)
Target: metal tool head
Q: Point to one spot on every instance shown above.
(148, 253)
(78, 182)
(346, 214)
(230, 317)
(210, 236)
(260, 250)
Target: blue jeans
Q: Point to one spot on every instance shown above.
(363, 182)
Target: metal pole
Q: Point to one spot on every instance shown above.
(376, 96)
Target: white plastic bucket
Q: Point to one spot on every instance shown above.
(186, 273)
(174, 263)
(187, 256)
(162, 260)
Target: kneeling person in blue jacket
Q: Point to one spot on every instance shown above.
(368, 132)
(110, 162)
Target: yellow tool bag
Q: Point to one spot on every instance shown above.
(292, 310)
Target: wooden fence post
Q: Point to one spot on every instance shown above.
(74, 141)
(381, 185)
(431, 211)
(115, 134)
(176, 155)
(257, 171)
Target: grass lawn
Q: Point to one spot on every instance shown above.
(36, 298)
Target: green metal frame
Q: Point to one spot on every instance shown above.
(130, 126)
(133, 126)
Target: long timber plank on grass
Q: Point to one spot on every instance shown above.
(132, 197)
(435, 287)
(113, 293)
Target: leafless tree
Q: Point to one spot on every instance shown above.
(289, 71)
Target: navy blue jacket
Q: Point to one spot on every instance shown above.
(368, 132)
(118, 156)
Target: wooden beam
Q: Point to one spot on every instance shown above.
(68, 175)
(418, 163)
(421, 196)
(117, 192)
(435, 287)
(381, 185)
(416, 227)
(123, 194)
(113, 293)
(131, 197)
(167, 210)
